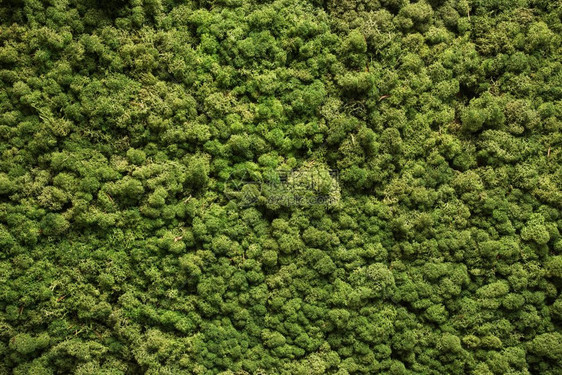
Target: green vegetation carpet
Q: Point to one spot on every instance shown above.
(280, 187)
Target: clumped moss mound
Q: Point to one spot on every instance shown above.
(151, 158)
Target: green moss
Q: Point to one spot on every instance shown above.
(293, 187)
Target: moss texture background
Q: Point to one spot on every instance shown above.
(123, 125)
